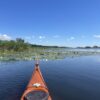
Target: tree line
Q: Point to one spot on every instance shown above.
(14, 45)
(89, 47)
(19, 45)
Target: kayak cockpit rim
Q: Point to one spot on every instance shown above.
(36, 86)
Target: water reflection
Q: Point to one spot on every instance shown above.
(76, 78)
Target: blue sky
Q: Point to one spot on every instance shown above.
(51, 22)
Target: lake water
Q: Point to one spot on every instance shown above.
(75, 78)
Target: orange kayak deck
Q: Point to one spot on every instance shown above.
(36, 83)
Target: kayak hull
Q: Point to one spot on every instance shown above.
(36, 83)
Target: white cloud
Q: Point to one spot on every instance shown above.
(5, 37)
(96, 36)
(42, 37)
(56, 36)
(72, 38)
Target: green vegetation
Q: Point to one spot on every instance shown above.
(16, 46)
(20, 50)
(19, 46)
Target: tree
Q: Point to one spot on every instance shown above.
(87, 47)
(95, 46)
(19, 40)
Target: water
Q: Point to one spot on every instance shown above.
(68, 79)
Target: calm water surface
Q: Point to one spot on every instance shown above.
(68, 79)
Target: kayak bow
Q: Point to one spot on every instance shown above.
(36, 88)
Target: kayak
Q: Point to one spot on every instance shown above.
(36, 88)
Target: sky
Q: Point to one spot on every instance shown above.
(51, 22)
